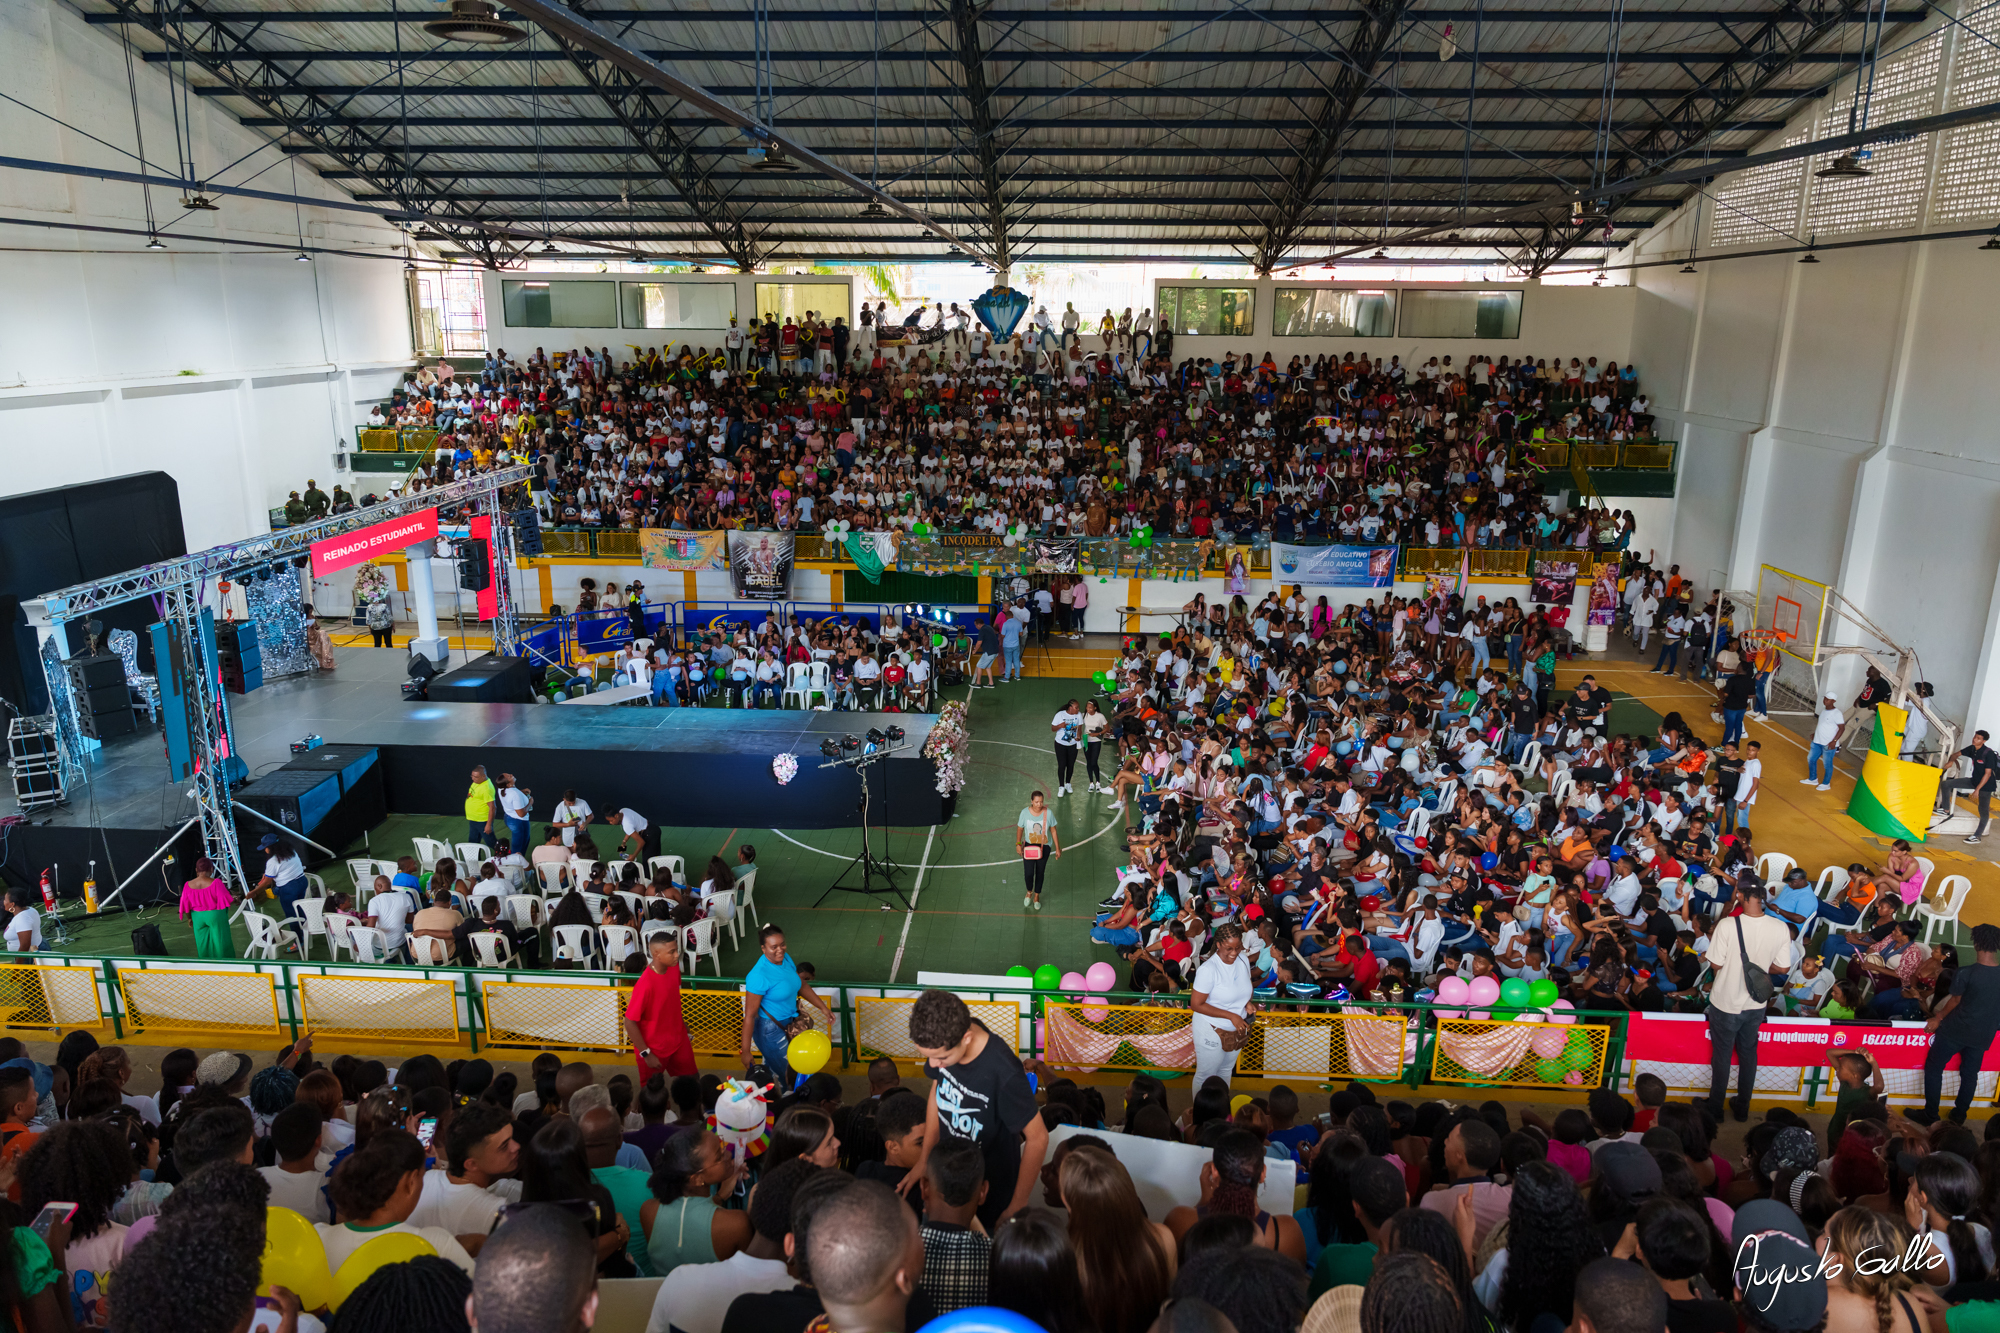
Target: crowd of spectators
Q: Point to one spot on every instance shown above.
(793, 425)
(991, 1183)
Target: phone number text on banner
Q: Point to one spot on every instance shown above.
(1798, 1042)
(1334, 566)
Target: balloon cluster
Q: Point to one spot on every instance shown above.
(921, 530)
(1093, 980)
(1104, 680)
(1013, 535)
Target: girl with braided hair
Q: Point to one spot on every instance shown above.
(1410, 1293)
(423, 1295)
(1869, 1295)
(1229, 1185)
(1549, 1239)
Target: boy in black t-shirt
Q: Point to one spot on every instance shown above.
(978, 1092)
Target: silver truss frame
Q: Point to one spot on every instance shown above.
(179, 583)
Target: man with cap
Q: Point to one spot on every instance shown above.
(1779, 1285)
(1828, 725)
(1795, 900)
(1965, 1024)
(1752, 939)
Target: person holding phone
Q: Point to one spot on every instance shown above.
(653, 1020)
(1036, 843)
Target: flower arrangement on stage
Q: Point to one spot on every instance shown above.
(784, 767)
(949, 746)
(369, 579)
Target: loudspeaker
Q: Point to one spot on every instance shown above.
(332, 795)
(93, 673)
(527, 531)
(103, 699)
(475, 566)
(107, 726)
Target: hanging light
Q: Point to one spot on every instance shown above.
(774, 159)
(549, 247)
(1689, 267)
(199, 203)
(155, 243)
(873, 209)
(477, 22)
(302, 258)
(1379, 254)
(1810, 258)
(1845, 167)
(1992, 242)
(1328, 265)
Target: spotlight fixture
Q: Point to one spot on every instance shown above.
(199, 203)
(1845, 167)
(774, 159)
(302, 258)
(477, 22)
(1328, 265)
(1452, 239)
(1379, 254)
(896, 734)
(830, 748)
(875, 736)
(549, 247)
(873, 209)
(850, 742)
(1810, 258)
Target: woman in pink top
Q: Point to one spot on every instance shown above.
(209, 902)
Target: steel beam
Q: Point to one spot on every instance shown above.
(1697, 18)
(1115, 94)
(486, 55)
(980, 135)
(1017, 149)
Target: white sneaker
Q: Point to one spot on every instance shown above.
(1826, 786)
(1115, 805)
(1806, 782)
(1027, 898)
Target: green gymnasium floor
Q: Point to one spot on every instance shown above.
(964, 878)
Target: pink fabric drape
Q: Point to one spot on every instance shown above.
(1068, 1044)
(1490, 1051)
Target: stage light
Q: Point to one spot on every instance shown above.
(850, 742)
(875, 736)
(896, 734)
(830, 748)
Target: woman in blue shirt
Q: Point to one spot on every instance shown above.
(771, 996)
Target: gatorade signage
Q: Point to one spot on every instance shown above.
(364, 544)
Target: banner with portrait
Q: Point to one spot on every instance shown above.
(1334, 566)
(1604, 596)
(760, 565)
(1553, 581)
(683, 552)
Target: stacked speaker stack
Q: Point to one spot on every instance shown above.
(236, 652)
(103, 701)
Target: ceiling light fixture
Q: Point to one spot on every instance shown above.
(477, 22)
(1810, 258)
(774, 159)
(1379, 254)
(1689, 267)
(1992, 242)
(873, 209)
(199, 202)
(549, 247)
(302, 258)
(1845, 167)
(155, 243)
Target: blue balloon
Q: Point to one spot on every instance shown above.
(1354, 687)
(1343, 747)
(1488, 861)
(1340, 667)
(1395, 742)
(982, 1319)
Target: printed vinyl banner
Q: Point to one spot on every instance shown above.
(760, 565)
(969, 550)
(1334, 566)
(1790, 1042)
(1604, 596)
(683, 552)
(364, 544)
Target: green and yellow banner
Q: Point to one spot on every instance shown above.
(1895, 796)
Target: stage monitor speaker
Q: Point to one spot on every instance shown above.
(363, 799)
(485, 679)
(300, 802)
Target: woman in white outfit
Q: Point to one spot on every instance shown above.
(1221, 1001)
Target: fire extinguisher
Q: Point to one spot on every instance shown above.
(48, 890)
(90, 890)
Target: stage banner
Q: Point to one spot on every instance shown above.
(1895, 796)
(942, 552)
(1334, 566)
(685, 552)
(364, 544)
(1789, 1042)
(1604, 596)
(760, 565)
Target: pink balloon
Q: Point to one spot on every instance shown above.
(1574, 1078)
(1453, 990)
(1096, 1010)
(1557, 1012)
(1548, 1043)
(1100, 976)
(1451, 1013)
(1070, 981)
(1485, 990)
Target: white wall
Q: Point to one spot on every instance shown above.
(523, 341)
(1835, 420)
(237, 370)
(1568, 321)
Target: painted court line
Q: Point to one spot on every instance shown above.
(916, 892)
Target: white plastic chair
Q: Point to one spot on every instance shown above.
(722, 908)
(798, 686)
(620, 943)
(370, 945)
(819, 681)
(1950, 900)
(746, 894)
(471, 856)
(429, 850)
(1833, 882)
(429, 951)
(1930, 871)
(595, 902)
(676, 866)
(315, 886)
(1417, 824)
(550, 876)
(577, 944)
(362, 871)
(701, 943)
(1560, 786)
(265, 941)
(579, 870)
(632, 901)
(492, 949)
(1447, 794)
(338, 924)
(523, 911)
(1531, 760)
(1772, 867)
(312, 911)
(651, 928)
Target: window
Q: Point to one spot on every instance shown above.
(1892, 194)
(1207, 312)
(1429, 314)
(791, 300)
(1326, 312)
(1760, 206)
(1968, 184)
(677, 305)
(559, 305)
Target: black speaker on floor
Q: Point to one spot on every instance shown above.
(363, 801)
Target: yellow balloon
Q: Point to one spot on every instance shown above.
(1239, 1101)
(808, 1052)
(396, 1247)
(295, 1258)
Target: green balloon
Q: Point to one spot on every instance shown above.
(1578, 1042)
(1515, 992)
(720, 674)
(1047, 976)
(1544, 993)
(1549, 1071)
(1022, 970)
(1582, 1059)
(937, 640)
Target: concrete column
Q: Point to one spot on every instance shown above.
(423, 597)
(1743, 555)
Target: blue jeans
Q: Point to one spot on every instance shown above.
(289, 896)
(664, 693)
(1481, 657)
(773, 1045)
(1731, 1034)
(1763, 679)
(1125, 938)
(764, 689)
(1514, 653)
(1892, 1004)
(476, 831)
(1389, 949)
(1010, 658)
(1814, 755)
(1732, 724)
(1560, 944)
(517, 834)
(1840, 914)
(1670, 657)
